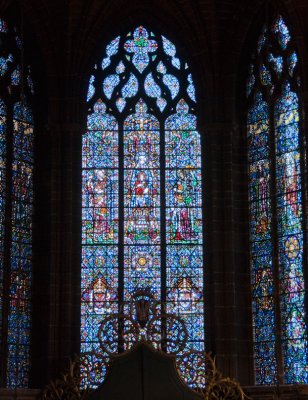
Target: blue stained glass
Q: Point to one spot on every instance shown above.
(99, 282)
(142, 213)
(191, 89)
(23, 140)
(277, 63)
(183, 150)
(141, 188)
(142, 270)
(288, 102)
(172, 83)
(161, 68)
(23, 113)
(120, 103)
(100, 149)
(106, 62)
(288, 169)
(290, 217)
(109, 84)
(141, 149)
(289, 211)
(292, 61)
(142, 225)
(169, 48)
(184, 225)
(265, 76)
(130, 89)
(141, 121)
(151, 87)
(113, 47)
(281, 30)
(176, 62)
(295, 343)
(19, 360)
(100, 202)
(99, 120)
(261, 246)
(260, 200)
(141, 46)
(5, 64)
(182, 120)
(183, 188)
(184, 267)
(258, 126)
(99, 261)
(161, 103)
(19, 318)
(120, 68)
(141, 69)
(100, 186)
(91, 88)
(287, 119)
(264, 312)
(15, 77)
(16, 162)
(182, 140)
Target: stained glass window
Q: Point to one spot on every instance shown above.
(16, 208)
(142, 202)
(277, 223)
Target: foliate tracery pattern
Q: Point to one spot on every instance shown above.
(16, 209)
(142, 216)
(276, 209)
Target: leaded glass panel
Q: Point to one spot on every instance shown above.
(276, 211)
(16, 209)
(142, 182)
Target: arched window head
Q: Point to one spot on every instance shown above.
(277, 221)
(142, 202)
(16, 200)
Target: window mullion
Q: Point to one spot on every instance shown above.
(121, 229)
(163, 212)
(163, 273)
(275, 247)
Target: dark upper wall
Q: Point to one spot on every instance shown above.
(210, 33)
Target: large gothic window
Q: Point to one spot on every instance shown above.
(16, 199)
(277, 224)
(141, 187)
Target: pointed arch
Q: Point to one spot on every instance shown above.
(16, 209)
(142, 205)
(277, 210)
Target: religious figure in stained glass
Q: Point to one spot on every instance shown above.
(141, 185)
(276, 216)
(98, 295)
(16, 204)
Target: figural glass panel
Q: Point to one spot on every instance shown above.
(141, 188)
(276, 210)
(16, 209)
